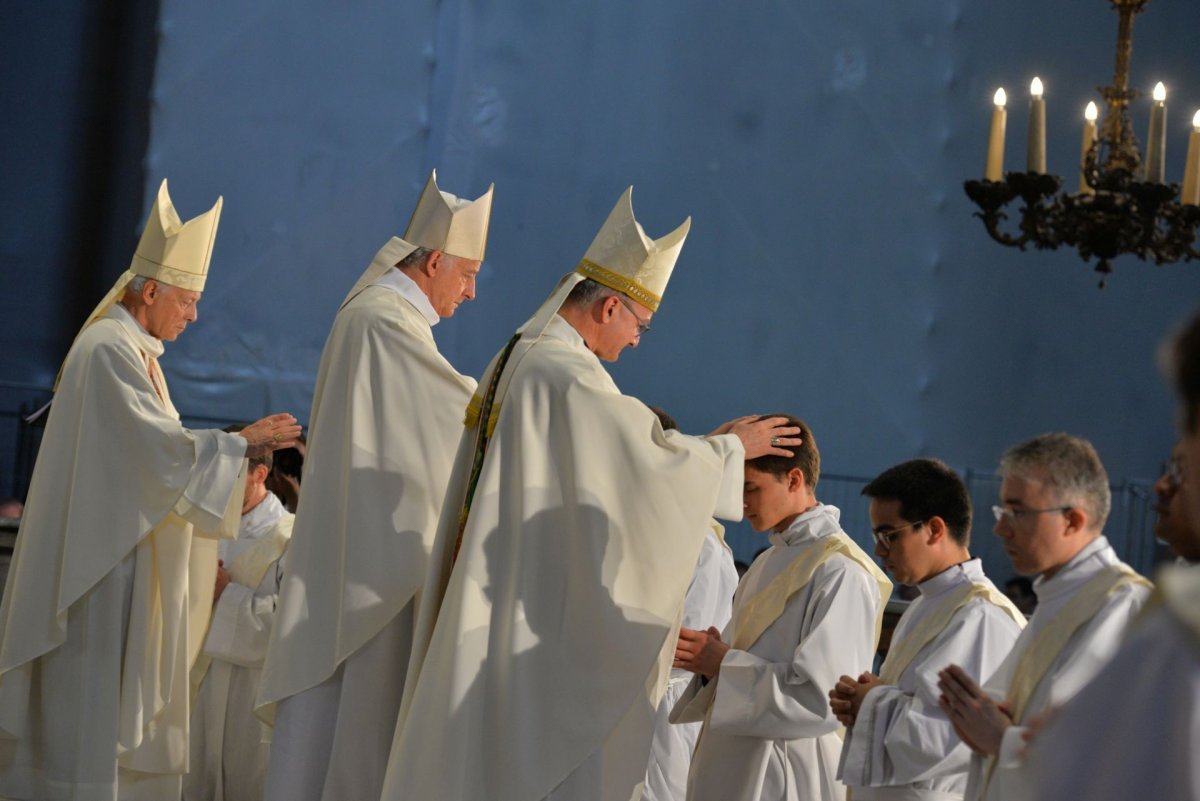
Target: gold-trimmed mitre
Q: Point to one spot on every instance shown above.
(623, 258)
(175, 252)
(451, 224)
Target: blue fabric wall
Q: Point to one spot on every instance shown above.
(834, 268)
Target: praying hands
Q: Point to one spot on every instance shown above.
(700, 651)
(979, 720)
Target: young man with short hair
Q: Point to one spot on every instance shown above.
(808, 609)
(899, 745)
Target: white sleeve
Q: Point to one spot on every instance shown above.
(241, 622)
(756, 697)
(902, 736)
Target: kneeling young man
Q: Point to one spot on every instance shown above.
(808, 608)
(900, 744)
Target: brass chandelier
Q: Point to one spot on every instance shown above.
(1122, 204)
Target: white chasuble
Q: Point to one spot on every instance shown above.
(902, 747)
(555, 629)
(111, 584)
(1072, 634)
(768, 730)
(709, 602)
(387, 415)
(228, 755)
(1134, 731)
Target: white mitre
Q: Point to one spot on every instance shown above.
(442, 222)
(170, 250)
(623, 258)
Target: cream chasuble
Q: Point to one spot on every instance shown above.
(110, 593)
(387, 414)
(1081, 617)
(902, 747)
(556, 628)
(768, 730)
(709, 602)
(228, 756)
(1134, 730)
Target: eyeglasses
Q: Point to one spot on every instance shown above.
(642, 327)
(1013, 516)
(1172, 471)
(886, 537)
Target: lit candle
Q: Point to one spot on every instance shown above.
(995, 151)
(1037, 128)
(1089, 139)
(1191, 173)
(1156, 142)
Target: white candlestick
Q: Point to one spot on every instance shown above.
(1156, 142)
(1191, 173)
(994, 170)
(1089, 139)
(1037, 129)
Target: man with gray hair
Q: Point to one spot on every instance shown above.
(1054, 500)
(387, 414)
(112, 580)
(1086, 751)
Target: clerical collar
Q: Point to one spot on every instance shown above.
(970, 570)
(560, 328)
(407, 288)
(820, 521)
(1076, 571)
(262, 517)
(150, 345)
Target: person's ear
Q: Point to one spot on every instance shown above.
(1077, 519)
(433, 263)
(796, 479)
(608, 308)
(938, 529)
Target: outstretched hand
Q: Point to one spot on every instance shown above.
(270, 434)
(769, 436)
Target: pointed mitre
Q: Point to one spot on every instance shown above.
(623, 258)
(442, 222)
(170, 251)
(175, 252)
(451, 224)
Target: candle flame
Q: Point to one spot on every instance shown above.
(1090, 113)
(1035, 87)
(1000, 98)
(1196, 120)
(1160, 92)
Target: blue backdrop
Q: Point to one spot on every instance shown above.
(834, 269)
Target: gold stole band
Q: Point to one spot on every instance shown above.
(1049, 642)
(902, 654)
(768, 604)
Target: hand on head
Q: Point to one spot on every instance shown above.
(271, 434)
(769, 436)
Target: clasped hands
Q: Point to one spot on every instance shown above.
(846, 697)
(700, 651)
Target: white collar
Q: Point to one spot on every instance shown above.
(819, 521)
(150, 345)
(407, 288)
(261, 517)
(968, 571)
